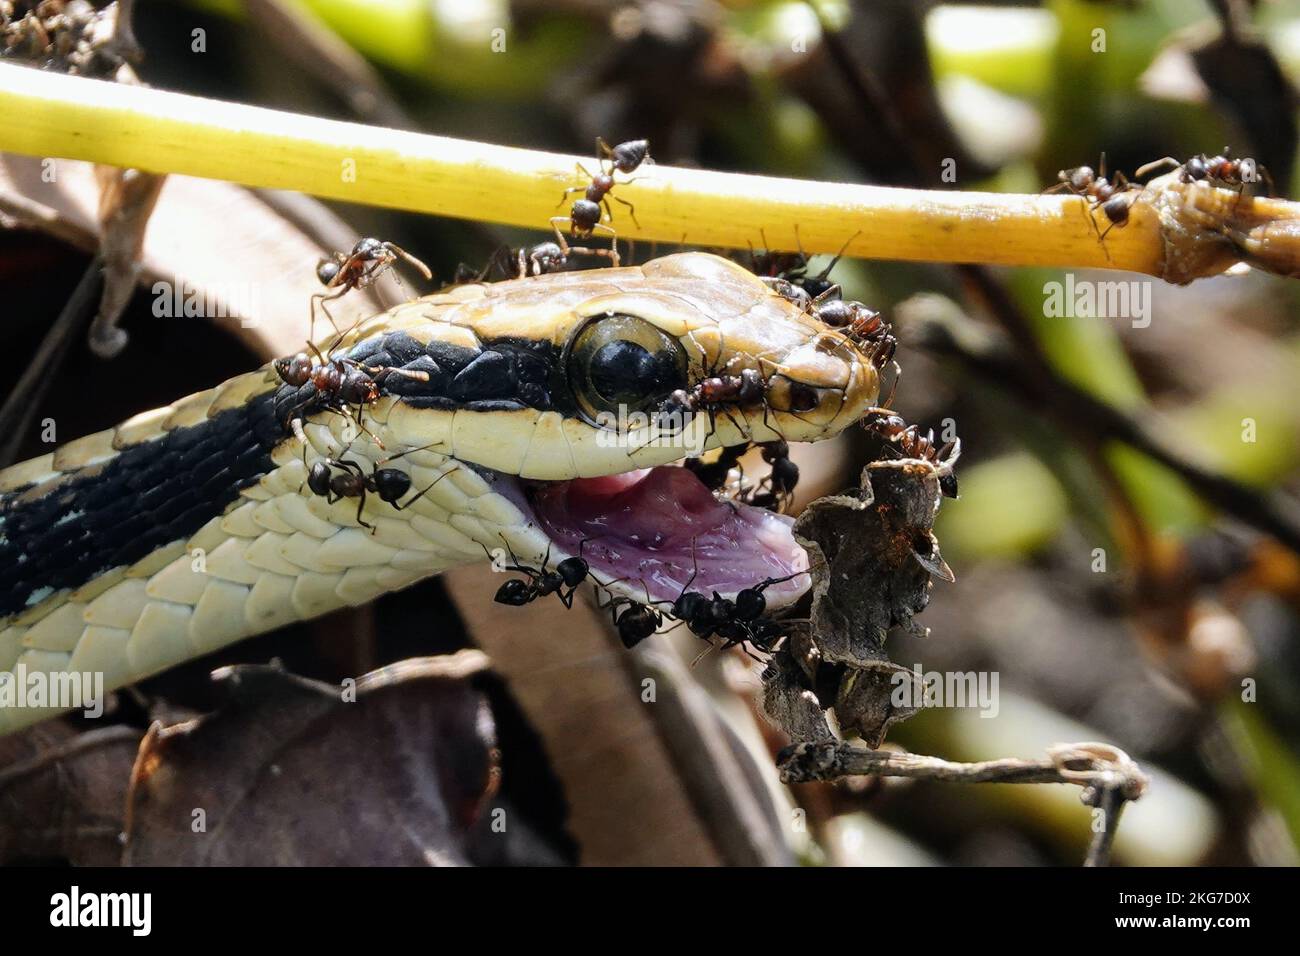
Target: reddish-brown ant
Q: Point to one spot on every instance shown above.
(862, 325)
(908, 442)
(747, 388)
(584, 218)
(1114, 196)
(1220, 170)
(339, 383)
(358, 269)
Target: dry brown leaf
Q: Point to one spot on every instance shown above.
(287, 772)
(63, 793)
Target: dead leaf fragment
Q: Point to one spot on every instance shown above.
(291, 772)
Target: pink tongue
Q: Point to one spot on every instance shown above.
(653, 508)
(657, 526)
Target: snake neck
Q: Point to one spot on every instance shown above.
(191, 527)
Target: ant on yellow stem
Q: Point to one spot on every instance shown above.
(585, 215)
(1114, 196)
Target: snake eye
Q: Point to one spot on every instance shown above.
(620, 362)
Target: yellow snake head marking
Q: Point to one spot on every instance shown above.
(584, 450)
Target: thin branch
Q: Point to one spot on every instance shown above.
(90, 740)
(42, 371)
(72, 117)
(1109, 777)
(1111, 805)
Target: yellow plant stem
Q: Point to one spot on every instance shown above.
(51, 115)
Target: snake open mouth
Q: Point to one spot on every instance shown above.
(655, 528)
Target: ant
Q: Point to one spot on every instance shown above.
(541, 259)
(358, 269)
(390, 484)
(637, 623)
(736, 621)
(908, 442)
(584, 217)
(862, 325)
(781, 480)
(339, 383)
(709, 394)
(570, 573)
(1113, 196)
(713, 475)
(1218, 170)
(786, 273)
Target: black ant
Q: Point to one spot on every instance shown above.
(736, 621)
(786, 273)
(569, 573)
(635, 624)
(541, 259)
(639, 621)
(358, 269)
(908, 442)
(781, 480)
(713, 475)
(1220, 170)
(1113, 196)
(584, 217)
(390, 484)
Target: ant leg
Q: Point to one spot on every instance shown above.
(559, 236)
(410, 450)
(1267, 177)
(412, 501)
(567, 193)
(611, 253)
(630, 209)
(346, 412)
(319, 299)
(361, 503)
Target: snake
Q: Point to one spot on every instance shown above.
(529, 429)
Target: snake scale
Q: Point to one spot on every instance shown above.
(189, 527)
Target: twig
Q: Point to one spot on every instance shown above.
(1111, 806)
(25, 399)
(1109, 777)
(52, 115)
(100, 737)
